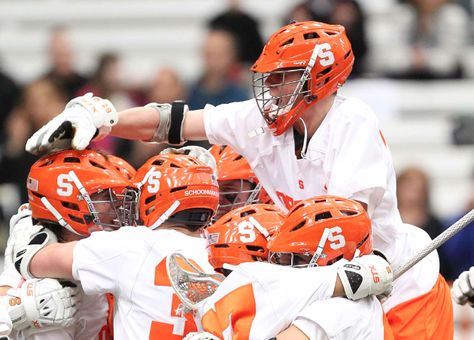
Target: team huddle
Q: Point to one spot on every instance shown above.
(291, 216)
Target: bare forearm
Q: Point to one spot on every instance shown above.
(54, 260)
(140, 123)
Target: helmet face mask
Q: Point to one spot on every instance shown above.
(311, 59)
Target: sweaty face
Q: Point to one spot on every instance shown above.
(277, 92)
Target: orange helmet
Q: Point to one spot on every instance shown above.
(81, 191)
(242, 234)
(321, 56)
(320, 231)
(122, 166)
(238, 185)
(176, 187)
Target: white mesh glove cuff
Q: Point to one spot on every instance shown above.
(101, 112)
(21, 228)
(366, 275)
(463, 288)
(200, 336)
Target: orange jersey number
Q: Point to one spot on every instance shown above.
(238, 308)
(161, 330)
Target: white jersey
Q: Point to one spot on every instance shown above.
(130, 263)
(341, 319)
(347, 156)
(90, 320)
(258, 300)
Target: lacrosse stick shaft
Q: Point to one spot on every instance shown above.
(437, 242)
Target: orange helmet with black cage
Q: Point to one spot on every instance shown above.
(320, 231)
(242, 234)
(81, 191)
(321, 56)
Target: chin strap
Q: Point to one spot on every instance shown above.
(305, 140)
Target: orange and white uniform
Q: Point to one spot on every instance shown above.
(347, 156)
(277, 296)
(91, 317)
(130, 263)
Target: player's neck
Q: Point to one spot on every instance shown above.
(182, 229)
(314, 116)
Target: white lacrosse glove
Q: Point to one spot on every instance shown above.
(42, 303)
(201, 336)
(366, 275)
(195, 151)
(80, 120)
(28, 246)
(21, 228)
(463, 288)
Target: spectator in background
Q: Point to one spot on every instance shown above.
(40, 101)
(166, 87)
(413, 195)
(216, 84)
(426, 40)
(106, 82)
(347, 13)
(9, 93)
(62, 70)
(245, 29)
(460, 250)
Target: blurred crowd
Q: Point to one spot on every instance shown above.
(426, 43)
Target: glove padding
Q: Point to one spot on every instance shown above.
(463, 288)
(197, 152)
(200, 336)
(24, 252)
(366, 275)
(81, 119)
(42, 303)
(21, 229)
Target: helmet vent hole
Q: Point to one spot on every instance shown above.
(348, 213)
(36, 194)
(150, 199)
(247, 213)
(287, 42)
(178, 189)
(158, 162)
(97, 165)
(76, 219)
(330, 33)
(70, 205)
(255, 248)
(221, 246)
(324, 72)
(72, 160)
(299, 226)
(311, 35)
(366, 237)
(46, 163)
(347, 54)
(238, 158)
(322, 216)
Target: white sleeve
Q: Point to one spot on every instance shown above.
(360, 160)
(311, 329)
(102, 259)
(10, 277)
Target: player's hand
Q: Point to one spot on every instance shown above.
(463, 288)
(29, 245)
(21, 228)
(366, 275)
(200, 336)
(42, 303)
(81, 120)
(197, 152)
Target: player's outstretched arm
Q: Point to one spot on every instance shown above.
(463, 288)
(87, 117)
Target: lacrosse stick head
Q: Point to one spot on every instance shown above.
(189, 282)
